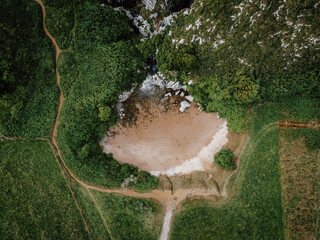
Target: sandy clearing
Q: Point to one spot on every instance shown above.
(168, 142)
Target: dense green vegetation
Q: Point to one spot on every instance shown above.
(35, 201)
(255, 210)
(103, 64)
(224, 159)
(60, 20)
(242, 53)
(28, 91)
(130, 218)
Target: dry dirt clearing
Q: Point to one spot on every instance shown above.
(168, 141)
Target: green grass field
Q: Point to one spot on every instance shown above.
(35, 201)
(125, 217)
(254, 211)
(130, 218)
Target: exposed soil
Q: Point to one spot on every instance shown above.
(162, 137)
(296, 124)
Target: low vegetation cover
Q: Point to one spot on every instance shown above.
(28, 90)
(254, 210)
(224, 158)
(130, 218)
(35, 201)
(300, 164)
(90, 212)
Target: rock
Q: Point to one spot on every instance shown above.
(184, 106)
(189, 98)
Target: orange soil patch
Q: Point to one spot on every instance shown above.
(295, 124)
(299, 168)
(161, 139)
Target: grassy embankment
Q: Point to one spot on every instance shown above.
(254, 209)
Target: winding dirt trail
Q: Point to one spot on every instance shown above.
(58, 51)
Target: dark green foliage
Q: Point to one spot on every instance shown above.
(224, 159)
(217, 94)
(251, 65)
(91, 81)
(170, 58)
(35, 201)
(287, 85)
(300, 108)
(28, 92)
(60, 20)
(98, 25)
(255, 211)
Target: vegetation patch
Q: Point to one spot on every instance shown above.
(60, 20)
(130, 218)
(104, 63)
(29, 94)
(35, 201)
(224, 159)
(300, 186)
(254, 211)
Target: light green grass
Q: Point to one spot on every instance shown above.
(35, 201)
(255, 210)
(130, 218)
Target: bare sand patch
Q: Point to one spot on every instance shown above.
(166, 141)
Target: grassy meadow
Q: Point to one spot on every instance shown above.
(35, 201)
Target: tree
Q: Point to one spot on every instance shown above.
(246, 88)
(224, 158)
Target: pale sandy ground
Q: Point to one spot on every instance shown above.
(169, 142)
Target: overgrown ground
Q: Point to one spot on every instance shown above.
(300, 183)
(300, 164)
(126, 217)
(254, 210)
(130, 218)
(35, 201)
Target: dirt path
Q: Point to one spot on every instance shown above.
(296, 124)
(54, 132)
(58, 51)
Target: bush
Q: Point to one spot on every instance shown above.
(224, 158)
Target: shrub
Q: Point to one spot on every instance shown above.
(224, 158)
